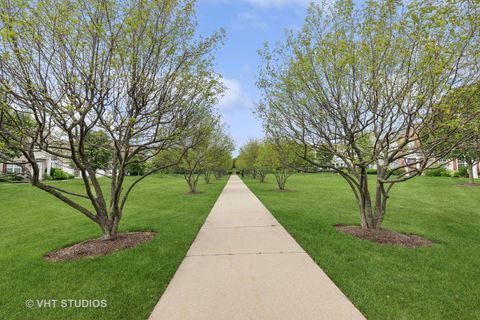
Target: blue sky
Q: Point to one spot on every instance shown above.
(248, 25)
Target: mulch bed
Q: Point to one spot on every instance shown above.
(469, 185)
(196, 193)
(100, 247)
(384, 236)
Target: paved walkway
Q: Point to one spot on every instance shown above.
(244, 265)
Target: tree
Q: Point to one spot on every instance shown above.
(11, 152)
(247, 157)
(136, 167)
(98, 150)
(167, 160)
(135, 71)
(264, 161)
(197, 160)
(362, 85)
(285, 160)
(279, 157)
(192, 165)
(456, 110)
(219, 154)
(225, 163)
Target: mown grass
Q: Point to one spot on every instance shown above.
(387, 282)
(131, 281)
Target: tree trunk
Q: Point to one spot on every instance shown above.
(262, 175)
(192, 180)
(381, 197)
(281, 177)
(471, 178)
(207, 176)
(371, 216)
(109, 228)
(108, 234)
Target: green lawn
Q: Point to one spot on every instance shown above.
(385, 282)
(33, 223)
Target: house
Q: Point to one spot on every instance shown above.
(455, 164)
(45, 163)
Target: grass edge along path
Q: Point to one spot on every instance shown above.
(130, 281)
(388, 282)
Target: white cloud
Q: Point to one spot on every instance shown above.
(253, 20)
(234, 96)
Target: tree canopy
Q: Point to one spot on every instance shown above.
(362, 84)
(135, 72)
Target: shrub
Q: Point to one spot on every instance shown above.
(438, 172)
(59, 174)
(446, 174)
(463, 172)
(395, 172)
(456, 174)
(11, 178)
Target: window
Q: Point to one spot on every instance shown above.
(461, 163)
(411, 162)
(13, 168)
(444, 163)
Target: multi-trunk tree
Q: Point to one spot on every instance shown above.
(201, 160)
(134, 72)
(279, 158)
(362, 85)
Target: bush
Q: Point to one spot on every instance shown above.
(438, 172)
(446, 174)
(136, 169)
(11, 178)
(372, 171)
(59, 174)
(463, 172)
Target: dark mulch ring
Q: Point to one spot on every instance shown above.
(100, 247)
(384, 236)
(196, 193)
(475, 184)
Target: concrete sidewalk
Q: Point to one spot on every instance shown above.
(244, 265)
